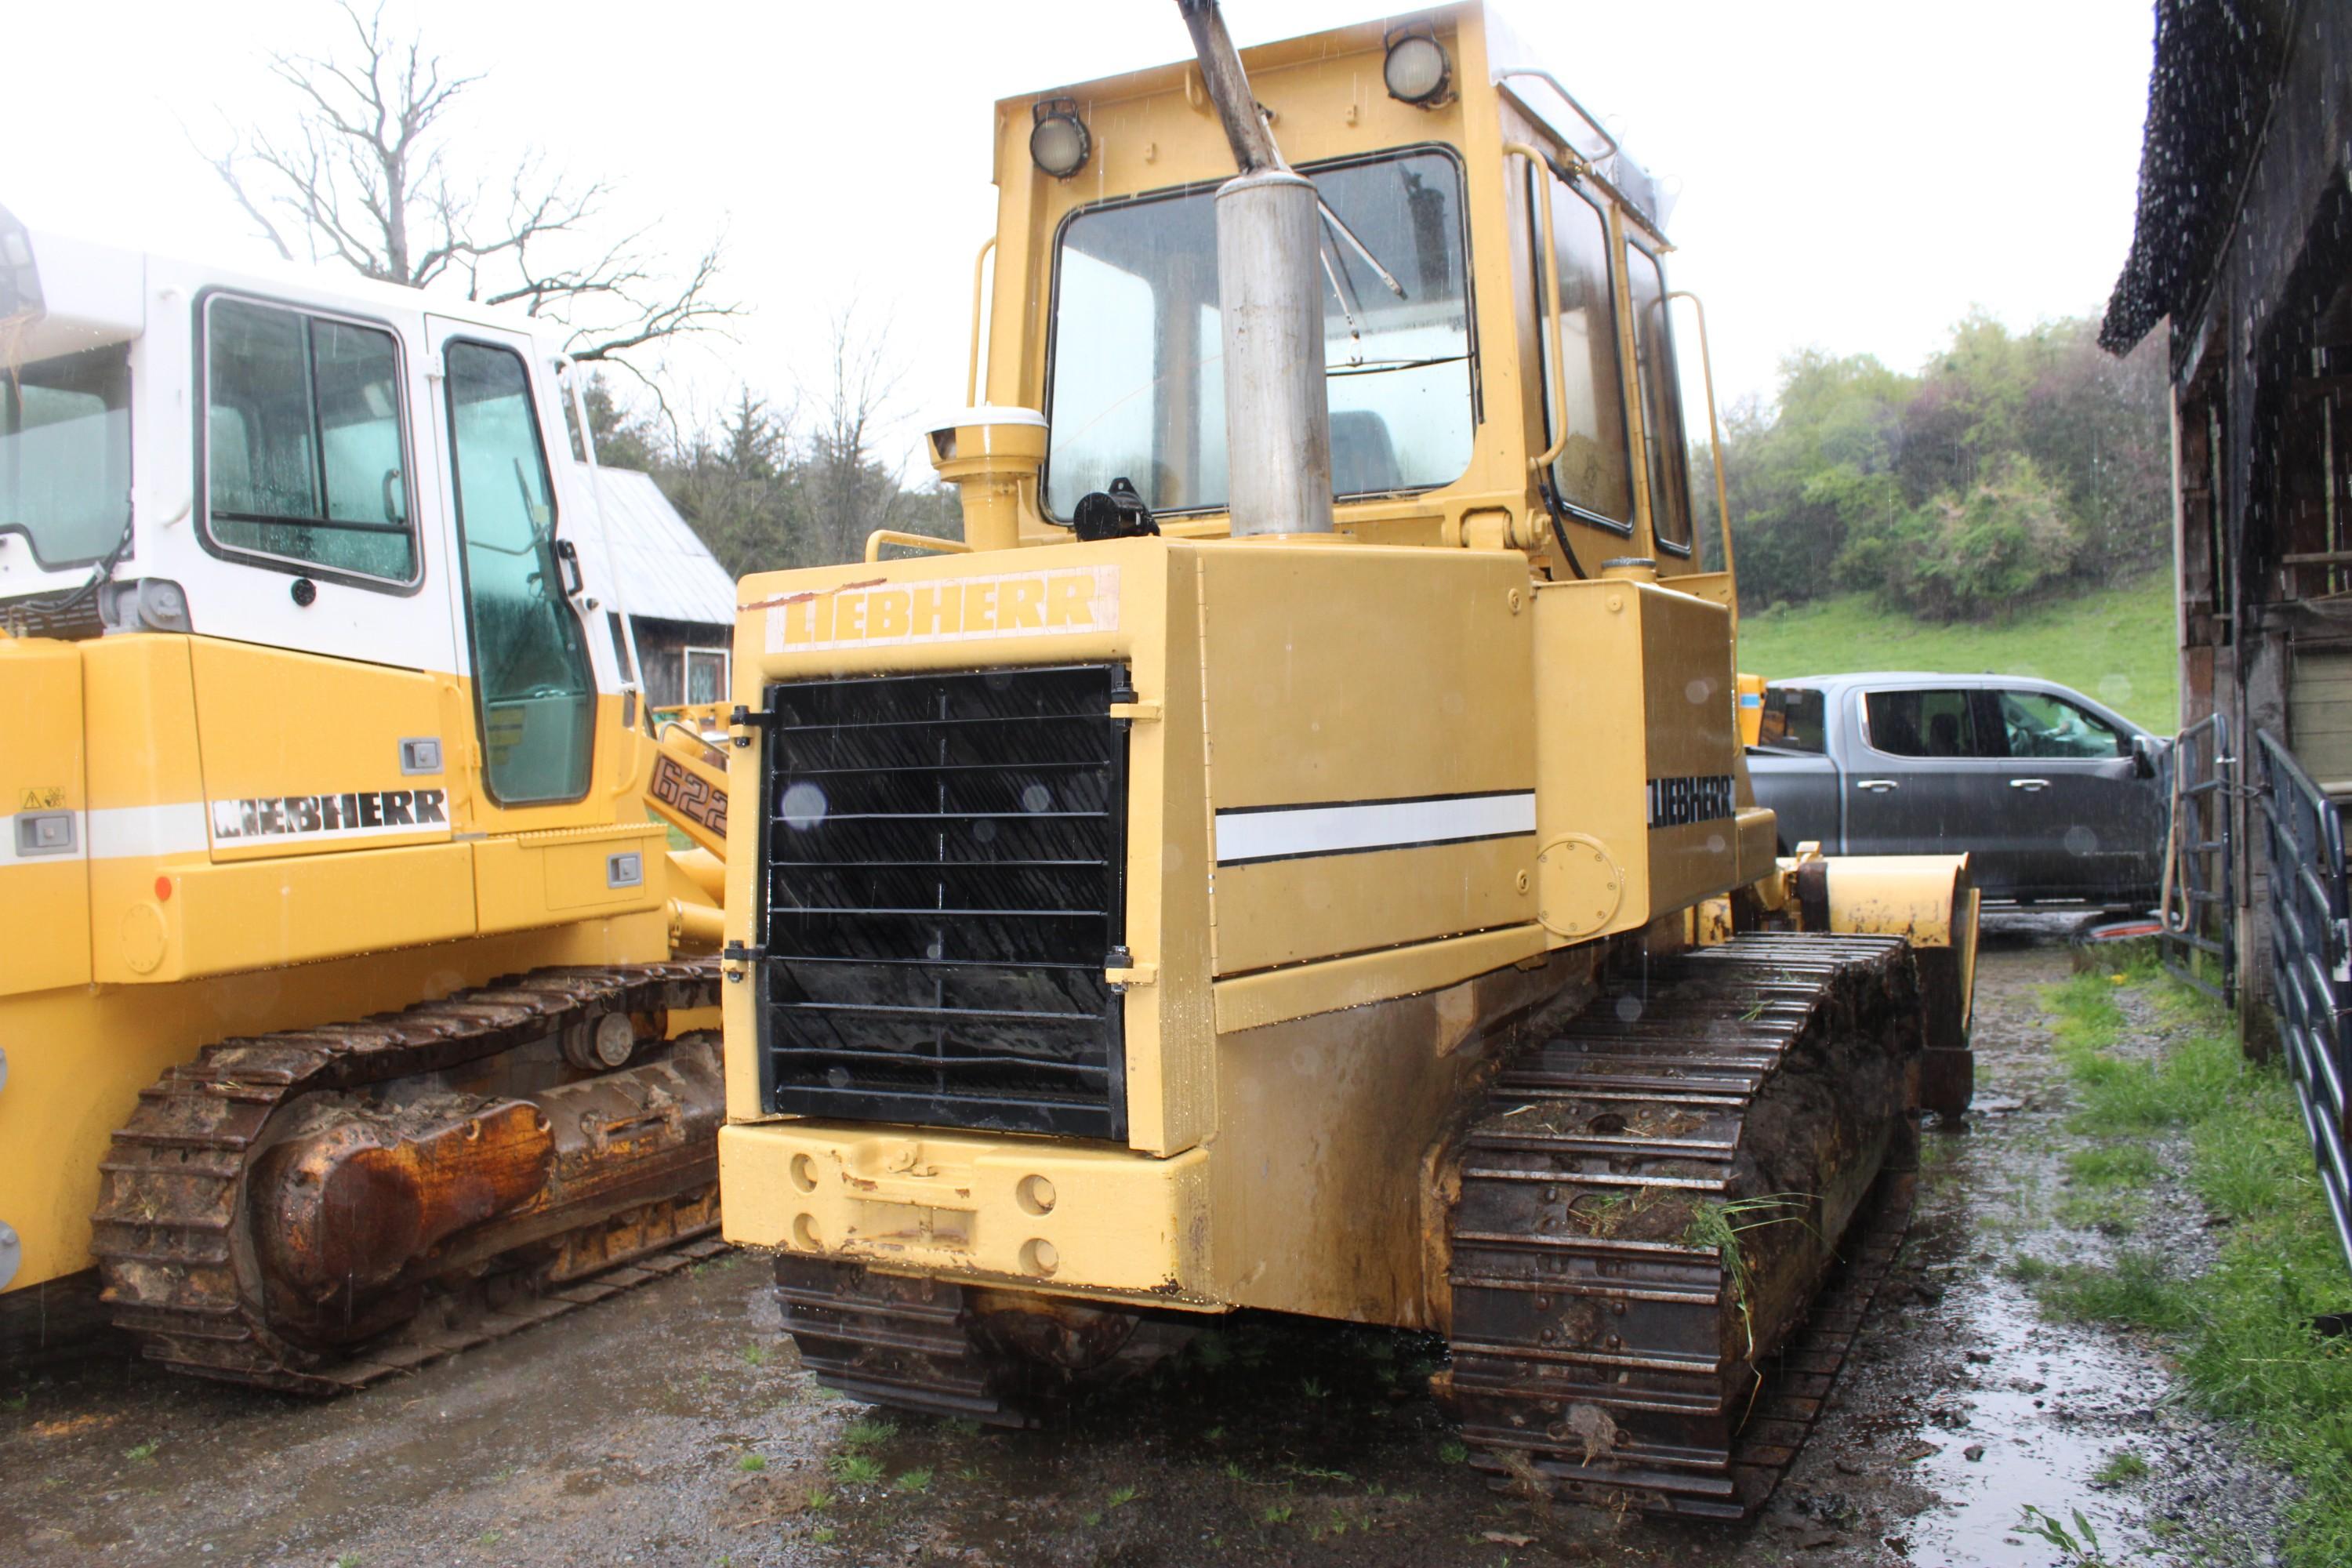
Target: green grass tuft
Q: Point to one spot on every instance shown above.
(914, 1481)
(870, 1433)
(2113, 1165)
(751, 1464)
(2122, 1466)
(858, 1470)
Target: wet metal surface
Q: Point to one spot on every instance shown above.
(673, 1425)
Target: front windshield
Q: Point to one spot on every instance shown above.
(1138, 387)
(65, 453)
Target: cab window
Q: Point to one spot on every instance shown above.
(1592, 475)
(1662, 442)
(1927, 724)
(1793, 720)
(2036, 724)
(1137, 382)
(306, 459)
(533, 690)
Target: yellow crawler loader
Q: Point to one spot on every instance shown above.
(353, 1008)
(1295, 853)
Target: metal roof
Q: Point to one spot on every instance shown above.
(662, 571)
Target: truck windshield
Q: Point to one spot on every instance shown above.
(65, 453)
(1138, 380)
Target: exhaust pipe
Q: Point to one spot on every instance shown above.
(1270, 298)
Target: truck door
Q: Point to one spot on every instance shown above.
(1918, 774)
(2080, 820)
(527, 653)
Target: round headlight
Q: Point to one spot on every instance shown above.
(1058, 143)
(1416, 69)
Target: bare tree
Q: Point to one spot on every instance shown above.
(363, 177)
(853, 490)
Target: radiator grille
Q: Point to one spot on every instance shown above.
(944, 869)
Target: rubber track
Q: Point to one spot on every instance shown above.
(164, 1230)
(1721, 1021)
(898, 1340)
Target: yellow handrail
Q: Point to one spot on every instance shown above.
(882, 536)
(971, 380)
(1551, 307)
(1714, 438)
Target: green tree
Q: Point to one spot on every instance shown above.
(2013, 464)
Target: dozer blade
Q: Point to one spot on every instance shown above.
(1653, 1204)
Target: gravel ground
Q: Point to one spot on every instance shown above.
(622, 1434)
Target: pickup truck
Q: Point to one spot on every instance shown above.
(2056, 799)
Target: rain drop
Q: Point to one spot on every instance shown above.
(804, 806)
(2080, 840)
(1036, 797)
(1629, 1009)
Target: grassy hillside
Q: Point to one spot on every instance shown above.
(2115, 645)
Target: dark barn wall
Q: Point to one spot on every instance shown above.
(661, 647)
(2245, 242)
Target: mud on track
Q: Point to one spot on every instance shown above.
(619, 1434)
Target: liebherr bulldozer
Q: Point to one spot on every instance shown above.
(1295, 854)
(353, 1008)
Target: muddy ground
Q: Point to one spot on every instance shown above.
(673, 1426)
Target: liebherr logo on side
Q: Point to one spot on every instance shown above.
(364, 813)
(1680, 802)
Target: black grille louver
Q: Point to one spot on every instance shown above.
(945, 858)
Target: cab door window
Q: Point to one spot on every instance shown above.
(2036, 724)
(1668, 453)
(1592, 475)
(306, 455)
(533, 694)
(1936, 723)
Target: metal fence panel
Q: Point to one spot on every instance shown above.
(2311, 960)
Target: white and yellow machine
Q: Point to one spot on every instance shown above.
(343, 973)
(1296, 854)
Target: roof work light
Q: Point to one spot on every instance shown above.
(1417, 71)
(1058, 143)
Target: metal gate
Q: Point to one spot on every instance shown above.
(2311, 960)
(2199, 939)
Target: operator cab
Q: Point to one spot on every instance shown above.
(280, 462)
(1481, 391)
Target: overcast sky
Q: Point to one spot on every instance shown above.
(1853, 176)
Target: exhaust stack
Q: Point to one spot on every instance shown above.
(1269, 223)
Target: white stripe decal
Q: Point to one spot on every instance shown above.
(124, 832)
(121, 833)
(1286, 831)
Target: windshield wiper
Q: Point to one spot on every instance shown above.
(1381, 366)
(1360, 248)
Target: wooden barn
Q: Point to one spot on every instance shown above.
(2245, 246)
